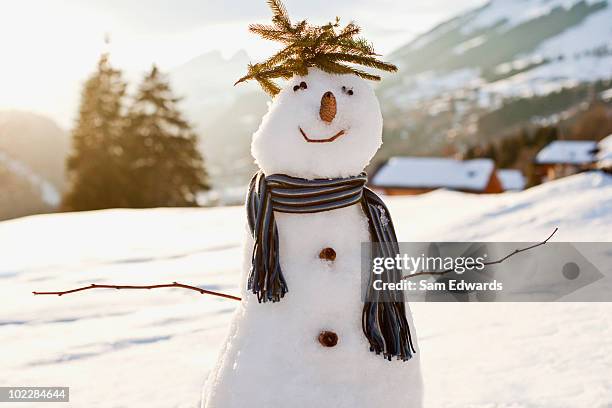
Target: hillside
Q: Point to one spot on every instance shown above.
(225, 115)
(37, 142)
(33, 151)
(206, 83)
(21, 193)
(130, 342)
(490, 70)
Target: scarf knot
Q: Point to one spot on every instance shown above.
(383, 320)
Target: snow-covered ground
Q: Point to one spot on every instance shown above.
(154, 348)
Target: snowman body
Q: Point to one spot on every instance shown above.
(272, 356)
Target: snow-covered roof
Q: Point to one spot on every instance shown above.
(568, 152)
(604, 154)
(434, 172)
(606, 95)
(511, 179)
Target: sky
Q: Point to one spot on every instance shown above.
(49, 47)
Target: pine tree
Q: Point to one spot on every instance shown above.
(165, 165)
(94, 166)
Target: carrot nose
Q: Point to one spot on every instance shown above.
(327, 112)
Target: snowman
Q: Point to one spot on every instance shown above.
(303, 336)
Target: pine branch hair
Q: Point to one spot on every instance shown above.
(328, 47)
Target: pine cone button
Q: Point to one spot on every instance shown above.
(328, 338)
(328, 254)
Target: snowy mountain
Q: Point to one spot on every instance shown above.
(469, 80)
(33, 151)
(225, 115)
(226, 140)
(22, 192)
(504, 64)
(49, 193)
(37, 142)
(206, 83)
(155, 348)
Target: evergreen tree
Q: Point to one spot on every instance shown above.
(165, 166)
(593, 124)
(490, 152)
(94, 165)
(509, 151)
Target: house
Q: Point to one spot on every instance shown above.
(604, 154)
(417, 175)
(511, 179)
(565, 157)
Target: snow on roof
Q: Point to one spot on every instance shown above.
(568, 152)
(606, 95)
(434, 172)
(511, 179)
(604, 154)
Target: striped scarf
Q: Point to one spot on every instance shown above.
(384, 315)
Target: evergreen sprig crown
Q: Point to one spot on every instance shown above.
(328, 47)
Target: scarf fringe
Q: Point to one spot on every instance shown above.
(266, 278)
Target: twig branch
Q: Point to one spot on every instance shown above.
(226, 296)
(516, 251)
(165, 285)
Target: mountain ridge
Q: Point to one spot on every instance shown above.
(33, 150)
(481, 61)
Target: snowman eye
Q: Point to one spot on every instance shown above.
(302, 85)
(347, 91)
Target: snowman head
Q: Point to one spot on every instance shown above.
(319, 125)
(325, 122)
